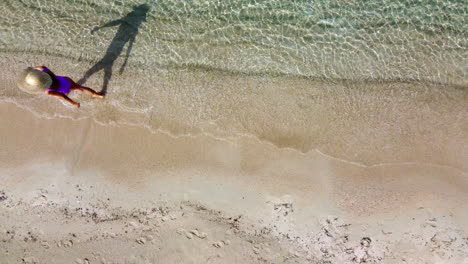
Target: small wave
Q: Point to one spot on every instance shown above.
(346, 78)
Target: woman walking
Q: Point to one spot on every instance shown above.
(40, 79)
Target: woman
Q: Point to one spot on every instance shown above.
(41, 79)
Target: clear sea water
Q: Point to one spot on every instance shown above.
(378, 40)
(344, 77)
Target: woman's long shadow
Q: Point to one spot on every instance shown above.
(128, 29)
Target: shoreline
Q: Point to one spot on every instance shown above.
(291, 132)
(407, 123)
(123, 151)
(116, 170)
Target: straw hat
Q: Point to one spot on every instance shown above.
(34, 81)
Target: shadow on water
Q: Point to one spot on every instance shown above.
(128, 29)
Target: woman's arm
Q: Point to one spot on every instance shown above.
(45, 69)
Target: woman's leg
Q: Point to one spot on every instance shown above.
(86, 90)
(63, 97)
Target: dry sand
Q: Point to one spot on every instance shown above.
(273, 135)
(80, 192)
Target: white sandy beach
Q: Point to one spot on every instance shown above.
(235, 132)
(81, 192)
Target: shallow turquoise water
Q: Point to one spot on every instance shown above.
(390, 40)
(345, 77)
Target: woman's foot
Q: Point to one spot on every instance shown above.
(98, 95)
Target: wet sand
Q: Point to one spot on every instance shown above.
(234, 132)
(75, 190)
